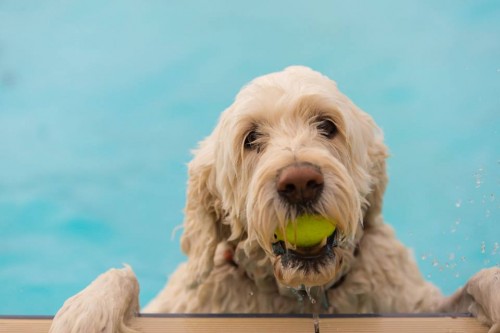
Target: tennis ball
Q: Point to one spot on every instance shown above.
(307, 230)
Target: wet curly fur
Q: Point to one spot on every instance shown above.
(232, 203)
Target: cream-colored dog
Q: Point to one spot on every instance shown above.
(291, 144)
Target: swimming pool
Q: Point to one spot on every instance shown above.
(101, 103)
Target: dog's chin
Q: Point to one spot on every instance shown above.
(315, 266)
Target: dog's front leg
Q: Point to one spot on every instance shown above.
(105, 306)
(480, 296)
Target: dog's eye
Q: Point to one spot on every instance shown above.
(327, 128)
(251, 140)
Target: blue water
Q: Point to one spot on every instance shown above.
(101, 102)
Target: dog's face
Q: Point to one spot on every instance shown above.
(291, 144)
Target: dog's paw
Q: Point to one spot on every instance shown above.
(484, 289)
(105, 306)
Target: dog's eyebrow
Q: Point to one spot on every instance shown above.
(313, 108)
(333, 115)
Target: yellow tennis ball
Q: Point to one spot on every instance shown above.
(308, 230)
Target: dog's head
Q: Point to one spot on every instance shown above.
(290, 144)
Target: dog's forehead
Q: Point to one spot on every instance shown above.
(296, 89)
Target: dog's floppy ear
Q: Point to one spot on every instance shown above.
(379, 176)
(202, 213)
(377, 155)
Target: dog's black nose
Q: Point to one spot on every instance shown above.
(300, 183)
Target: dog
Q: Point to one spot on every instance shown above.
(290, 145)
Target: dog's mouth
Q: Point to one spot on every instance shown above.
(308, 259)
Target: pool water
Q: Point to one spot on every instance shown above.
(100, 104)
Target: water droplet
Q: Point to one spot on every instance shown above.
(429, 276)
(424, 257)
(458, 203)
(488, 213)
(298, 294)
(478, 177)
(451, 256)
(435, 263)
(316, 322)
(496, 246)
(311, 298)
(457, 222)
(457, 275)
(250, 293)
(492, 197)
(463, 259)
(483, 247)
